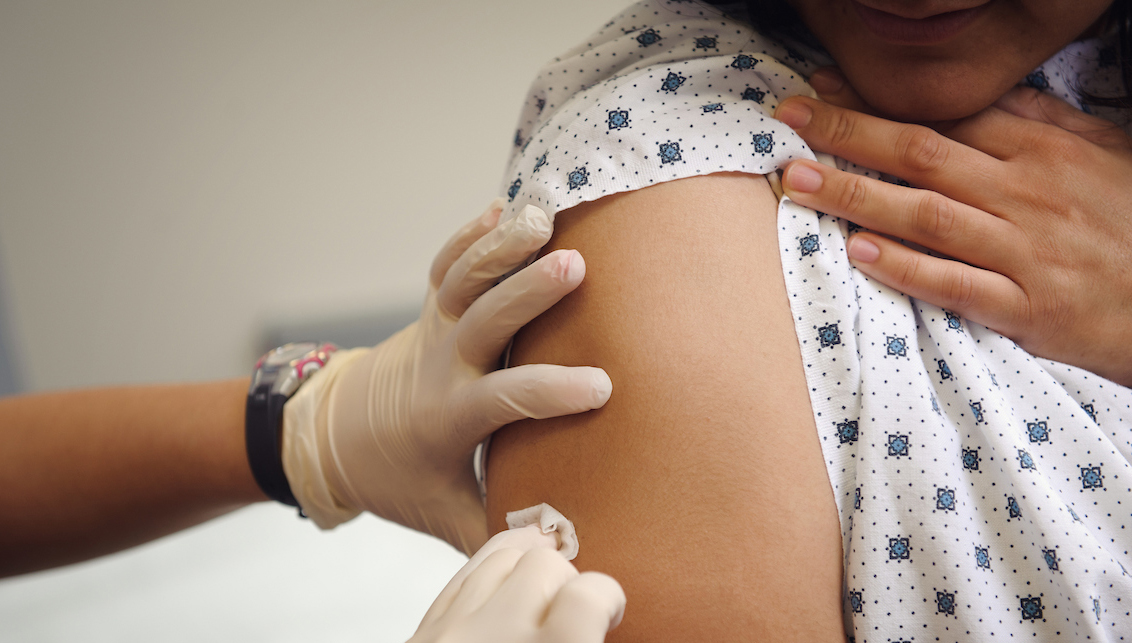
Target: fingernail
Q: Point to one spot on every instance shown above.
(603, 388)
(491, 216)
(569, 267)
(801, 178)
(827, 81)
(794, 113)
(862, 249)
(576, 268)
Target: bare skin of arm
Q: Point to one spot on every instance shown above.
(700, 485)
(87, 473)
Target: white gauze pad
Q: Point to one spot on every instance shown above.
(548, 520)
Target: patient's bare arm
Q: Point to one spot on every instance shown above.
(700, 485)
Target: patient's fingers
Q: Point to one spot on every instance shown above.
(832, 87)
(462, 240)
(492, 320)
(492, 256)
(1041, 107)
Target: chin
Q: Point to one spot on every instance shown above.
(927, 107)
(946, 96)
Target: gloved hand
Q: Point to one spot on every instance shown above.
(392, 429)
(518, 589)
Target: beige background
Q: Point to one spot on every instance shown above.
(178, 179)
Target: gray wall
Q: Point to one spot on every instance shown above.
(182, 182)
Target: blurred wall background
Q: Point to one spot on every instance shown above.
(183, 183)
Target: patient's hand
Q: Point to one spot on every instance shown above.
(1031, 197)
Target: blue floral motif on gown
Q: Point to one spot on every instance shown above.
(977, 412)
(982, 558)
(971, 459)
(743, 61)
(1091, 477)
(896, 346)
(648, 37)
(944, 369)
(899, 548)
(672, 82)
(578, 177)
(945, 499)
(618, 118)
(754, 93)
(670, 153)
(809, 244)
(706, 43)
(1037, 431)
(1050, 556)
(1038, 80)
(847, 431)
(1031, 607)
(829, 335)
(763, 142)
(1012, 507)
(898, 445)
(945, 602)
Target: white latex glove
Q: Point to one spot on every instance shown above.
(518, 589)
(392, 429)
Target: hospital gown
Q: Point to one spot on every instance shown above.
(983, 493)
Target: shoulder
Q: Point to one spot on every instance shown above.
(665, 90)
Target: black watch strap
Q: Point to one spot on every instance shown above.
(277, 377)
(263, 435)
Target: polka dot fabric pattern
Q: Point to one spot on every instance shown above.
(983, 493)
(689, 94)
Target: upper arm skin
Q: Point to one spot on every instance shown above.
(700, 486)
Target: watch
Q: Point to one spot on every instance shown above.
(277, 376)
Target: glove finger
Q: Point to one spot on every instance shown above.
(492, 256)
(521, 540)
(462, 240)
(584, 610)
(531, 391)
(527, 592)
(489, 324)
(484, 581)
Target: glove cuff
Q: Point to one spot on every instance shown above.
(305, 420)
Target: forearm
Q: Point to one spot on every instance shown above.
(87, 473)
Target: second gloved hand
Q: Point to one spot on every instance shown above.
(392, 429)
(518, 589)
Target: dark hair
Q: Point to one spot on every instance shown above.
(1120, 16)
(777, 17)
